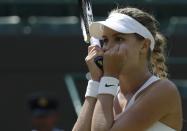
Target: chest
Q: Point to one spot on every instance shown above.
(124, 101)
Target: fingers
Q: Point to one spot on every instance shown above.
(113, 51)
(96, 50)
(111, 60)
(93, 52)
(93, 47)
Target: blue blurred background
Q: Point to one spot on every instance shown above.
(42, 50)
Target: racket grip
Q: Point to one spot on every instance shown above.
(99, 62)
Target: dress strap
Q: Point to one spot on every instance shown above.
(151, 80)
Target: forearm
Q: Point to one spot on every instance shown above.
(103, 117)
(84, 120)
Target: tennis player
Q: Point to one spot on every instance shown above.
(132, 93)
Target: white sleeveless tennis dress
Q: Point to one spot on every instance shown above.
(157, 126)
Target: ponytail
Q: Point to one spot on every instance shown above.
(158, 57)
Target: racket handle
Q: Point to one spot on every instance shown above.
(99, 62)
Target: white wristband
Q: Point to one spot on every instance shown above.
(108, 85)
(92, 89)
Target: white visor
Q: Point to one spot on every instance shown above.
(123, 24)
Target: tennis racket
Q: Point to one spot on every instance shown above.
(86, 18)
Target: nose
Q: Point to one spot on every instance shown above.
(105, 47)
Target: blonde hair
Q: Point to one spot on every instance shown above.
(156, 57)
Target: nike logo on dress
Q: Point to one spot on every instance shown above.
(108, 85)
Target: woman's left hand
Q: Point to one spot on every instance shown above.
(113, 61)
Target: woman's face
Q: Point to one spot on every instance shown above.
(129, 44)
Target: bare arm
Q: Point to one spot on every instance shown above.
(103, 114)
(83, 122)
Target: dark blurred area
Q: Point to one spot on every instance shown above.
(42, 50)
(44, 112)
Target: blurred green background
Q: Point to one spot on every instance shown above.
(42, 50)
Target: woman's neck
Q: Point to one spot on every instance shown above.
(132, 81)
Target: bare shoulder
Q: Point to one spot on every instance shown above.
(167, 83)
(167, 93)
(163, 90)
(167, 88)
(163, 93)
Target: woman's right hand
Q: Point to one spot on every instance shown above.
(95, 71)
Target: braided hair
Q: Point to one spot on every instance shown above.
(156, 58)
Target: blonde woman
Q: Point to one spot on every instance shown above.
(132, 93)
